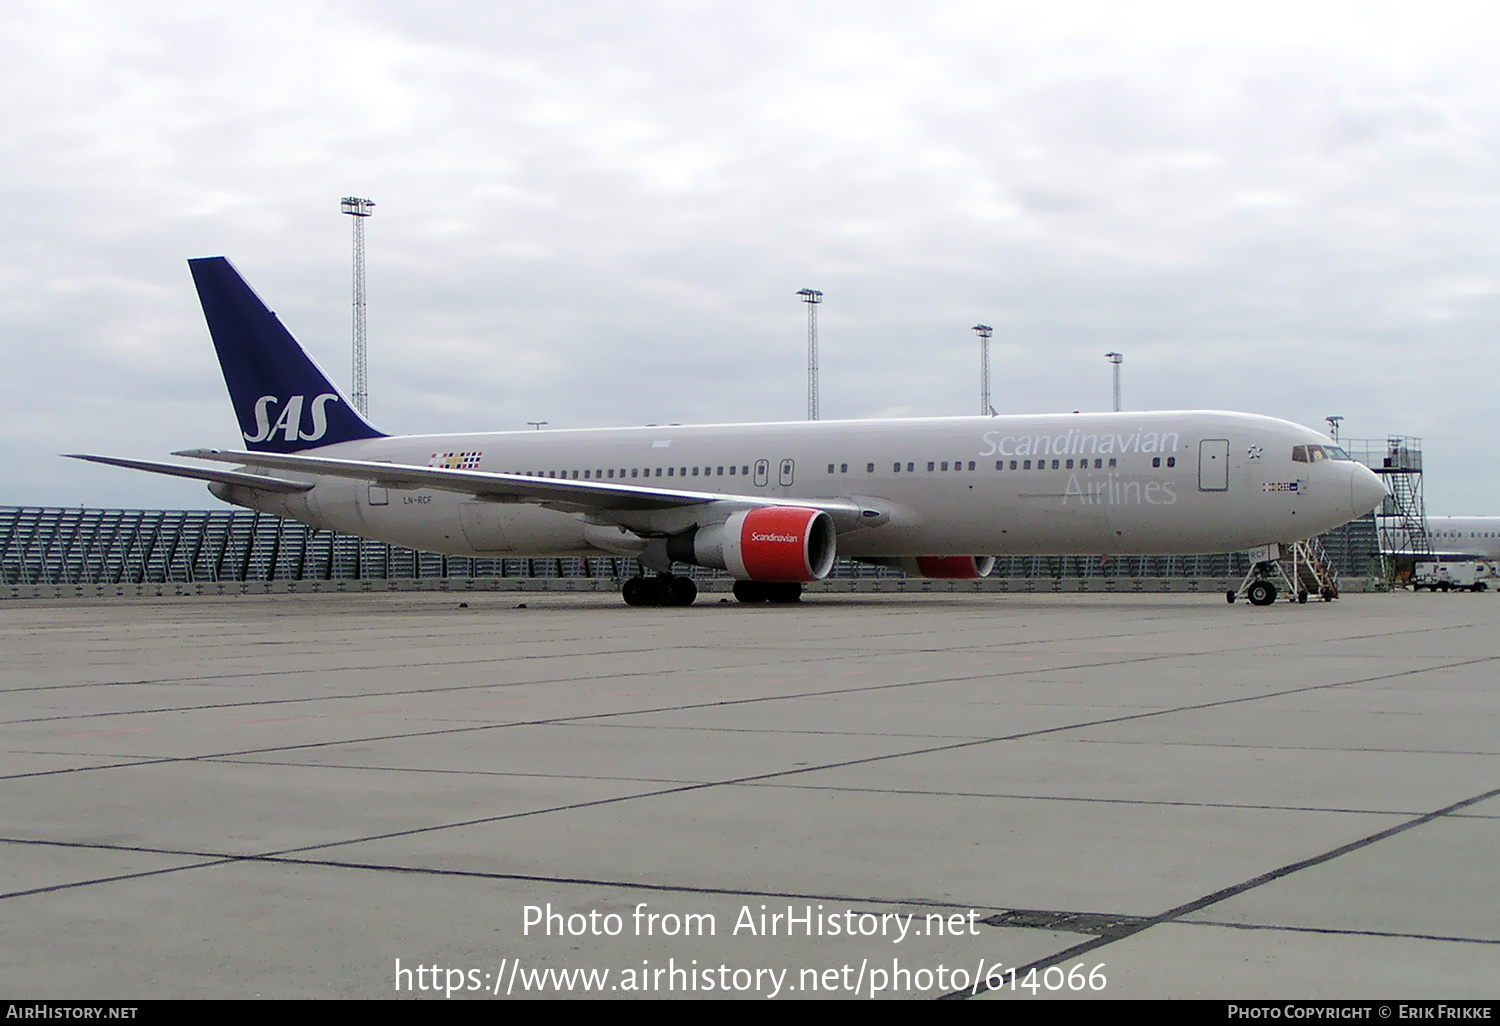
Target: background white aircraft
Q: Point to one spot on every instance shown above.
(1450, 537)
(771, 503)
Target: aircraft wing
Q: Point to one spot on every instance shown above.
(234, 477)
(572, 496)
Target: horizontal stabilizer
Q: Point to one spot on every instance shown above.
(233, 477)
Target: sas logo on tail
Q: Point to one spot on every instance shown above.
(290, 419)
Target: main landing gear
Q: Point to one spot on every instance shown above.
(671, 590)
(768, 591)
(661, 590)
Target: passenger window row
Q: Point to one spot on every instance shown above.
(1056, 464)
(634, 472)
(933, 466)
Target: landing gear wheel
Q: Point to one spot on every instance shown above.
(1262, 593)
(634, 592)
(1302, 596)
(749, 591)
(1230, 596)
(659, 588)
(768, 591)
(684, 591)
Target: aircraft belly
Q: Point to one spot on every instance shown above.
(483, 525)
(419, 519)
(534, 530)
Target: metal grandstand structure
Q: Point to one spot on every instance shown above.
(49, 545)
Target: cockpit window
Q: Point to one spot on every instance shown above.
(1314, 453)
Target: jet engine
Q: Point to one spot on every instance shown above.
(942, 568)
(769, 543)
(949, 568)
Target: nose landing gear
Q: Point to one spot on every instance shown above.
(1300, 570)
(1262, 593)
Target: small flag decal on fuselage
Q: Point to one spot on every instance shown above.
(456, 460)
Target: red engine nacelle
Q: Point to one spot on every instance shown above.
(949, 568)
(770, 543)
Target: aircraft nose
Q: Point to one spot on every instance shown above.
(1366, 491)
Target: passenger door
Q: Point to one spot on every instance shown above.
(1213, 465)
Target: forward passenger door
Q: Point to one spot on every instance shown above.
(1213, 465)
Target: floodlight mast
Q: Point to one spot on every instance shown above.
(984, 331)
(359, 209)
(1333, 427)
(1115, 360)
(812, 297)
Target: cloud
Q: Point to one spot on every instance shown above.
(598, 214)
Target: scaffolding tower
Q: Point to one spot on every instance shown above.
(1403, 516)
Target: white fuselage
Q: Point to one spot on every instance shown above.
(1174, 482)
(1457, 537)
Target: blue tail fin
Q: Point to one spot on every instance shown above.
(284, 401)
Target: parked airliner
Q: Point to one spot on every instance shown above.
(773, 504)
(1451, 538)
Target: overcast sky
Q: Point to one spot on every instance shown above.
(598, 214)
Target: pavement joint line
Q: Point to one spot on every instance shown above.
(1224, 893)
(454, 772)
(96, 881)
(222, 858)
(645, 650)
(839, 789)
(546, 721)
(1272, 748)
(745, 701)
(584, 679)
(822, 657)
(1152, 803)
(1344, 932)
(773, 775)
(214, 859)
